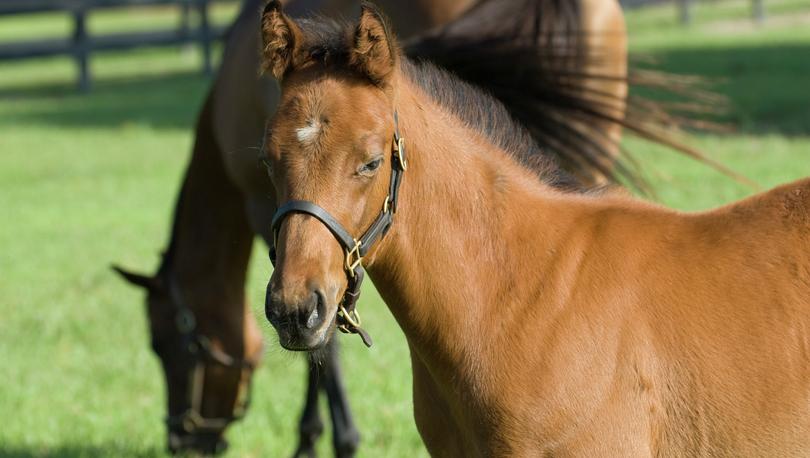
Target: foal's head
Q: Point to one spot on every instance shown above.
(330, 144)
(207, 384)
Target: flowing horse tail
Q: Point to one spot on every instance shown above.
(538, 59)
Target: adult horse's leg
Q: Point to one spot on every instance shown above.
(344, 432)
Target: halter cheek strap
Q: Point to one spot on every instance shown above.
(348, 320)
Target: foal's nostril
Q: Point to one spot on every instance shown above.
(318, 313)
(270, 310)
(313, 318)
(311, 312)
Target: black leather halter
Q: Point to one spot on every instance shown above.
(348, 320)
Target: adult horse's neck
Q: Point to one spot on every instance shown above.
(449, 265)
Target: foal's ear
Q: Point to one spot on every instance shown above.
(374, 51)
(281, 40)
(144, 281)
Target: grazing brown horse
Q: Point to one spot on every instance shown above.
(202, 330)
(541, 321)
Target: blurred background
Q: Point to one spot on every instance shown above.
(90, 166)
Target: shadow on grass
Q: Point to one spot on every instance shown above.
(164, 101)
(78, 451)
(767, 86)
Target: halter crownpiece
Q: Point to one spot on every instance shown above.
(348, 320)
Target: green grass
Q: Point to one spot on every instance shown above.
(762, 72)
(88, 180)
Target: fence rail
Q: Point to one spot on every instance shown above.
(81, 44)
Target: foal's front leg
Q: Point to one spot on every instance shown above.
(327, 375)
(345, 436)
(310, 427)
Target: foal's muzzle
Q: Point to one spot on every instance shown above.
(302, 324)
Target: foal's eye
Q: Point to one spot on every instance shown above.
(371, 166)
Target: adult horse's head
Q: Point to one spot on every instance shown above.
(335, 160)
(207, 364)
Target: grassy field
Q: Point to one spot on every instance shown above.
(86, 180)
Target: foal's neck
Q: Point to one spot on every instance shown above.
(448, 267)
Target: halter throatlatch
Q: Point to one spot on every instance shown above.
(348, 320)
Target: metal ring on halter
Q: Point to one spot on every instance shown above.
(352, 318)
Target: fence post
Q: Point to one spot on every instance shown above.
(185, 19)
(205, 32)
(81, 47)
(759, 11)
(685, 7)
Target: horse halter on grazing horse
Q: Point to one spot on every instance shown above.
(192, 355)
(348, 320)
(198, 350)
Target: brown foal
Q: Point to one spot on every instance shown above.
(540, 321)
(224, 204)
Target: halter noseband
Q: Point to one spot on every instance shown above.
(348, 320)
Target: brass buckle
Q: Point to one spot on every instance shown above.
(353, 258)
(352, 318)
(399, 147)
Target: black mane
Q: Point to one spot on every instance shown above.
(485, 114)
(532, 57)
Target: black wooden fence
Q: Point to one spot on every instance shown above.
(82, 44)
